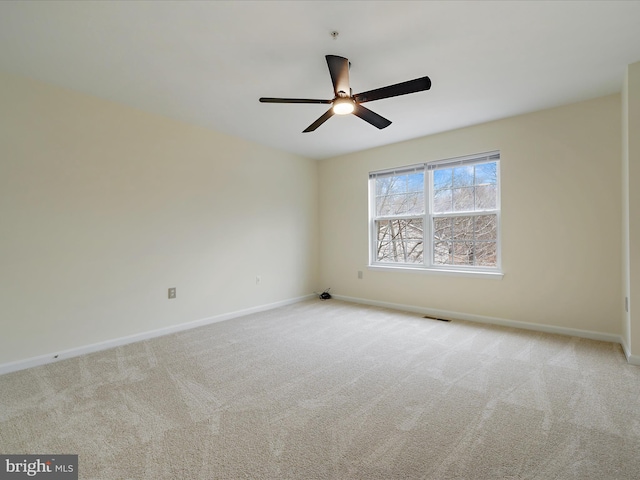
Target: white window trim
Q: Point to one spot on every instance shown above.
(427, 267)
(451, 272)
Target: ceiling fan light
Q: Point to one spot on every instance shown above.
(343, 106)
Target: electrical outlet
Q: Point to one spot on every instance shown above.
(360, 274)
(172, 292)
(258, 279)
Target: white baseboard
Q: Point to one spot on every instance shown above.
(117, 342)
(574, 332)
(632, 359)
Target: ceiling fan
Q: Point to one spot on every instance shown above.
(345, 102)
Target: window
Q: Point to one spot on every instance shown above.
(439, 215)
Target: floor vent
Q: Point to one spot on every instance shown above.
(439, 319)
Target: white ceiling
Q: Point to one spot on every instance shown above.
(207, 63)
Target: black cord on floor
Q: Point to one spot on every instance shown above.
(324, 295)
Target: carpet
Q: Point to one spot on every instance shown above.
(334, 390)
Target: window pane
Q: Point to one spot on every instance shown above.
(463, 253)
(442, 253)
(442, 201)
(463, 176)
(400, 194)
(442, 229)
(486, 197)
(382, 185)
(463, 228)
(400, 241)
(463, 199)
(486, 254)
(486, 173)
(486, 227)
(442, 179)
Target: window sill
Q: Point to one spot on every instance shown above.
(495, 275)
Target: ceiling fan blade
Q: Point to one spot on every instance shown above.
(326, 116)
(372, 117)
(292, 100)
(411, 86)
(339, 70)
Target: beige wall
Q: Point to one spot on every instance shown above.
(631, 213)
(561, 221)
(103, 207)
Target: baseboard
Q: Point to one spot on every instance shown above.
(117, 342)
(632, 359)
(605, 337)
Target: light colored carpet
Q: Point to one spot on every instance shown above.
(332, 390)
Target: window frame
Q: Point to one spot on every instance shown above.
(428, 216)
